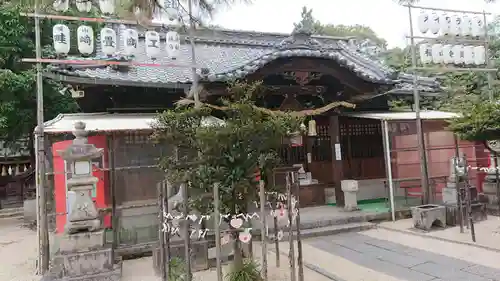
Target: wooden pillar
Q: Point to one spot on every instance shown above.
(337, 167)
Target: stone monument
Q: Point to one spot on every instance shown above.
(350, 189)
(83, 254)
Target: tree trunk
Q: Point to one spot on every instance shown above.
(238, 255)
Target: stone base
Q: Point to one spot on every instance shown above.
(425, 216)
(83, 241)
(85, 263)
(199, 257)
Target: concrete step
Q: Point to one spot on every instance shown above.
(332, 230)
(9, 213)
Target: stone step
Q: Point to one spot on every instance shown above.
(9, 213)
(332, 230)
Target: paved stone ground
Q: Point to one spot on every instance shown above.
(400, 261)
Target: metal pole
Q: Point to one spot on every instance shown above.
(300, 258)
(263, 215)
(44, 250)
(218, 253)
(161, 230)
(187, 239)
(487, 57)
(420, 136)
(194, 87)
(389, 168)
(457, 185)
(291, 253)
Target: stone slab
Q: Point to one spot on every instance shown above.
(113, 275)
(425, 216)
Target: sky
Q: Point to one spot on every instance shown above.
(388, 19)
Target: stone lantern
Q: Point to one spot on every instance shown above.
(83, 215)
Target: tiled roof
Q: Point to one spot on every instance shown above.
(224, 55)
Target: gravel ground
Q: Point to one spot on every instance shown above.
(18, 248)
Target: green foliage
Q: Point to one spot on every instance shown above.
(177, 270)
(249, 271)
(229, 153)
(481, 123)
(18, 80)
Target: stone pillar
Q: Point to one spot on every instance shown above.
(83, 254)
(350, 189)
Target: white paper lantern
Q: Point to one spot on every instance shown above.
(85, 37)
(479, 55)
(152, 44)
(434, 26)
(107, 6)
(425, 53)
(61, 5)
(477, 27)
(466, 26)
(130, 40)
(173, 44)
(423, 22)
(447, 54)
(445, 22)
(437, 53)
(61, 39)
(468, 54)
(458, 54)
(84, 5)
(456, 25)
(108, 41)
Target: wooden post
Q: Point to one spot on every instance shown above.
(166, 196)
(187, 239)
(217, 232)
(300, 262)
(161, 232)
(263, 215)
(275, 224)
(291, 253)
(112, 185)
(337, 166)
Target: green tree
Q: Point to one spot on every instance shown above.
(339, 30)
(18, 80)
(227, 154)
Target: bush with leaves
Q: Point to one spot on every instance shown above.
(481, 123)
(228, 154)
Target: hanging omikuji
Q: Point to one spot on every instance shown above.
(456, 25)
(445, 22)
(152, 44)
(173, 44)
(61, 38)
(469, 55)
(130, 40)
(458, 54)
(447, 54)
(435, 26)
(423, 22)
(425, 53)
(479, 55)
(466, 26)
(477, 27)
(61, 5)
(107, 6)
(84, 5)
(85, 37)
(108, 41)
(437, 53)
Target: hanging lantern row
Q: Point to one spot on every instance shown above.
(85, 37)
(451, 24)
(452, 54)
(106, 6)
